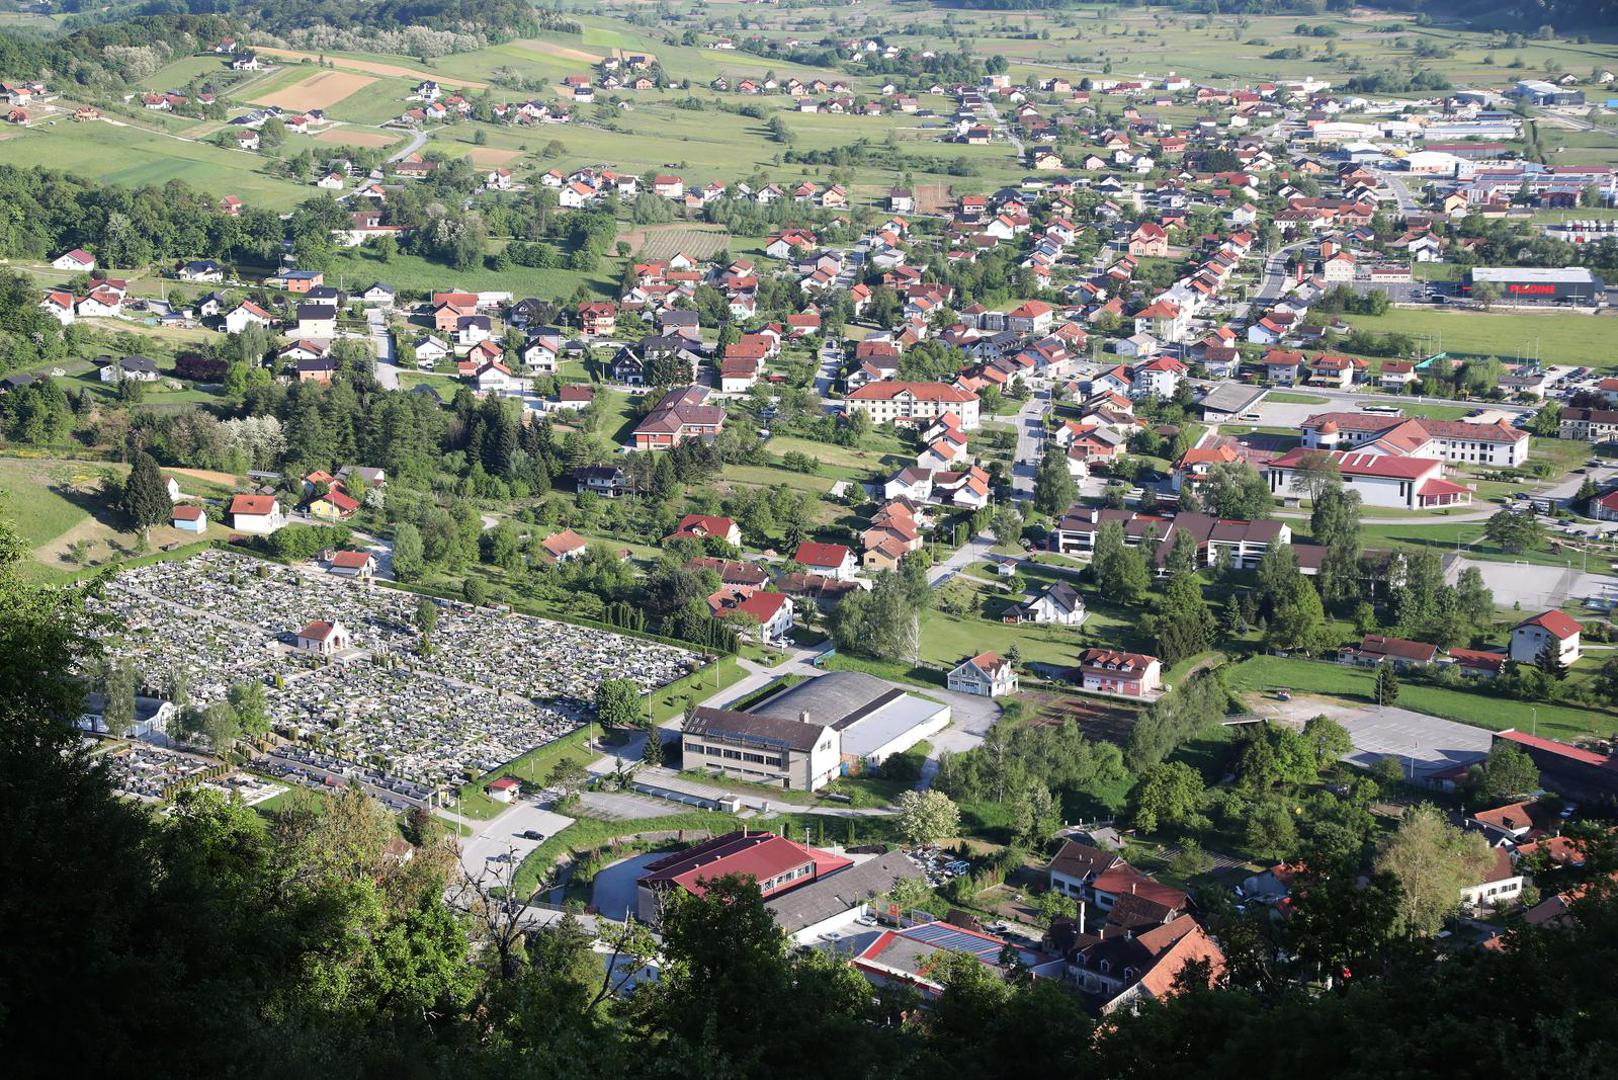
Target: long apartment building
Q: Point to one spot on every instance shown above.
(892, 401)
(1497, 444)
(1245, 542)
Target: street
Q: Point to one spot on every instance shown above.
(1030, 444)
(503, 834)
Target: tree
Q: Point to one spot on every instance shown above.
(1119, 571)
(1182, 626)
(618, 704)
(926, 817)
(1387, 684)
(1299, 622)
(1007, 526)
(1168, 794)
(1432, 861)
(1317, 473)
(1234, 489)
(652, 753)
(1054, 906)
(1514, 531)
(1034, 815)
(248, 702)
(409, 560)
(118, 688)
(1550, 660)
(1508, 772)
(1328, 740)
(1485, 293)
(426, 615)
(146, 499)
(1335, 524)
(1268, 829)
(567, 776)
(1054, 487)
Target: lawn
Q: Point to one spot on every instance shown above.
(413, 274)
(56, 503)
(123, 154)
(1557, 337)
(1481, 708)
(532, 766)
(1285, 397)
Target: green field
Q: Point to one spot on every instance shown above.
(131, 156)
(1481, 708)
(1555, 337)
(415, 274)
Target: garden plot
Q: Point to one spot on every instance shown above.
(319, 91)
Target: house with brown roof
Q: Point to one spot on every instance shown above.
(1117, 972)
(1373, 649)
(986, 675)
(1549, 629)
(256, 514)
(679, 416)
(565, 546)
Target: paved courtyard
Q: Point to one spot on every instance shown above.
(1422, 743)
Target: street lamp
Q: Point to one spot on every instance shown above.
(1535, 710)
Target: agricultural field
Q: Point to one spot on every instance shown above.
(320, 90)
(120, 153)
(413, 274)
(666, 241)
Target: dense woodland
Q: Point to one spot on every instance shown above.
(220, 942)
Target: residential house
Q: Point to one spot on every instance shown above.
(1109, 671)
(985, 675)
(828, 560)
(1549, 630)
(256, 514)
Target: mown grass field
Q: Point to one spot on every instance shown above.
(1479, 707)
(1557, 337)
(415, 274)
(136, 157)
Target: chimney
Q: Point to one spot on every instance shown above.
(1133, 885)
(1081, 918)
(803, 716)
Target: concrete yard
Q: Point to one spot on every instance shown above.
(1423, 744)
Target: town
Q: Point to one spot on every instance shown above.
(1003, 527)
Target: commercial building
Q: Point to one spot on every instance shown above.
(1541, 284)
(910, 956)
(1589, 425)
(790, 754)
(1570, 771)
(1410, 483)
(775, 863)
(872, 719)
(1497, 444)
(1540, 92)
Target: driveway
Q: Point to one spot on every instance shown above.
(613, 891)
(387, 375)
(502, 834)
(1030, 444)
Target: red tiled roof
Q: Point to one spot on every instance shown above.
(252, 505)
(1558, 623)
(830, 556)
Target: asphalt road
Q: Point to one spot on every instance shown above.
(1030, 444)
(501, 835)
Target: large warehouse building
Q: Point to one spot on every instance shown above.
(1543, 284)
(804, 737)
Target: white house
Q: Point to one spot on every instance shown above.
(256, 514)
(77, 261)
(323, 638)
(828, 560)
(1529, 638)
(244, 315)
(1501, 884)
(986, 675)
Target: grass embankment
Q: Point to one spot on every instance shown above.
(1481, 707)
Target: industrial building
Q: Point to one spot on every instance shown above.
(873, 719)
(1540, 92)
(1541, 284)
